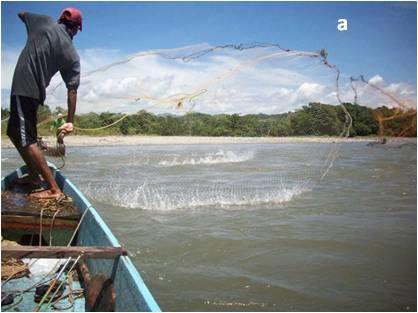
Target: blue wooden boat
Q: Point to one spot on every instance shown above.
(112, 281)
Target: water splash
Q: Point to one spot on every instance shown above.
(160, 197)
(212, 158)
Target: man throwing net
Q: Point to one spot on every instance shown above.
(49, 49)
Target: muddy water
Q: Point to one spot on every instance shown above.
(248, 228)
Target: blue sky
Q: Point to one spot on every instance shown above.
(381, 36)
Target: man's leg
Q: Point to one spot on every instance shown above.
(33, 175)
(23, 133)
(37, 161)
(17, 131)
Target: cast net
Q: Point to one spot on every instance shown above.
(396, 107)
(245, 90)
(253, 78)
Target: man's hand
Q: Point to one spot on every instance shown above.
(66, 128)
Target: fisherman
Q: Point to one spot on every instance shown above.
(49, 49)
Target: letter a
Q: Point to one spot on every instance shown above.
(342, 24)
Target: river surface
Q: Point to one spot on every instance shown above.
(250, 228)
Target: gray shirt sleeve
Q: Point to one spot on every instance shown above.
(71, 75)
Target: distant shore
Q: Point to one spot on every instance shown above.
(79, 141)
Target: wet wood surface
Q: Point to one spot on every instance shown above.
(62, 252)
(15, 202)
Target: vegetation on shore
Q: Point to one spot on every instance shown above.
(315, 119)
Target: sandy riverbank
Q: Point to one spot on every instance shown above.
(169, 140)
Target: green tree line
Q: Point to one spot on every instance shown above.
(314, 119)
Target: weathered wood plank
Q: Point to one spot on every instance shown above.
(33, 223)
(62, 252)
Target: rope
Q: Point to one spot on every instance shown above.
(45, 120)
(52, 226)
(40, 282)
(60, 285)
(51, 286)
(31, 239)
(63, 162)
(79, 293)
(40, 226)
(332, 155)
(78, 226)
(106, 126)
(69, 295)
(11, 276)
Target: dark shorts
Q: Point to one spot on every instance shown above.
(21, 128)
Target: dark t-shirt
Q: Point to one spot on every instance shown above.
(48, 49)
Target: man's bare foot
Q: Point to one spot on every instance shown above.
(46, 194)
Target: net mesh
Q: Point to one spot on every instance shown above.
(395, 107)
(240, 81)
(210, 79)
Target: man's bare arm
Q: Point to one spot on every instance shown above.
(68, 127)
(72, 103)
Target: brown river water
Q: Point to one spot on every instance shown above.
(247, 227)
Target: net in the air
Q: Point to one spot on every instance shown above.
(288, 92)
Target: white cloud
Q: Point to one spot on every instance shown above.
(95, 58)
(402, 89)
(377, 79)
(308, 90)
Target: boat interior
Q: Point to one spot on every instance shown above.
(43, 268)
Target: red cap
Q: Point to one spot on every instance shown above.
(73, 15)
